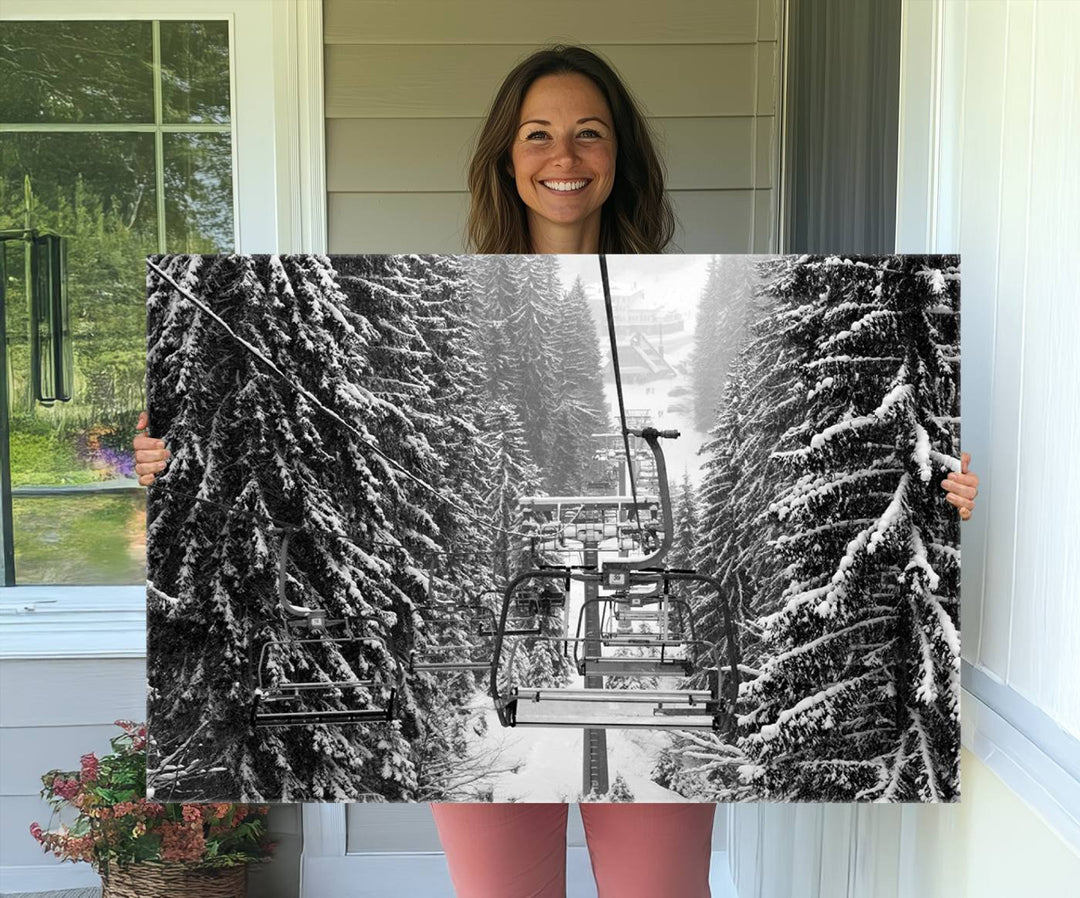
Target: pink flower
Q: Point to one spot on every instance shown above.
(150, 808)
(181, 842)
(89, 768)
(66, 789)
(36, 832)
(192, 813)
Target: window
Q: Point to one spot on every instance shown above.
(117, 135)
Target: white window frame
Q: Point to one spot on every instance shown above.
(276, 54)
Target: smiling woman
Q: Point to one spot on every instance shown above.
(565, 163)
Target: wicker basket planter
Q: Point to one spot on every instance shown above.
(174, 881)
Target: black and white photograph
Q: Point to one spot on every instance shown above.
(525, 528)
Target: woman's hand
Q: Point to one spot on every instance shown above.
(962, 488)
(150, 454)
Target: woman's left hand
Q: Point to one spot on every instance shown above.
(962, 487)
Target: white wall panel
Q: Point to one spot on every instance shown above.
(516, 22)
(979, 157)
(989, 637)
(1000, 184)
(1045, 630)
(53, 712)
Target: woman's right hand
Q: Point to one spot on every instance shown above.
(150, 454)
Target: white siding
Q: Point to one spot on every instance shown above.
(53, 711)
(408, 82)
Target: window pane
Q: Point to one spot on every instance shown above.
(195, 71)
(98, 191)
(198, 193)
(81, 183)
(76, 72)
(81, 540)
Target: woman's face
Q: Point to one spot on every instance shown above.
(563, 154)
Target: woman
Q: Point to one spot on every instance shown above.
(565, 164)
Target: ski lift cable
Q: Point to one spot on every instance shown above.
(329, 412)
(618, 388)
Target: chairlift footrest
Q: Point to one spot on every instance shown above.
(683, 699)
(633, 667)
(452, 665)
(304, 718)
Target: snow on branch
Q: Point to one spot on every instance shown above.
(900, 393)
(772, 730)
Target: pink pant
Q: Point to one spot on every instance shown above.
(519, 850)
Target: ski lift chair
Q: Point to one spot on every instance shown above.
(443, 617)
(286, 702)
(628, 582)
(663, 654)
(540, 600)
(478, 622)
(280, 701)
(524, 626)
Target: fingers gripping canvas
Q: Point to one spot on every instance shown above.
(550, 528)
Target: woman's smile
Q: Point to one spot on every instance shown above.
(573, 186)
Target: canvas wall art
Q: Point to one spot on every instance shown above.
(553, 528)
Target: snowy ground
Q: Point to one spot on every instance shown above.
(547, 762)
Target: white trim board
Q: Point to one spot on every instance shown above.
(42, 878)
(40, 622)
(1042, 775)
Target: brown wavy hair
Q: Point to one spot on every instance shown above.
(637, 216)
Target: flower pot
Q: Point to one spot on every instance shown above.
(174, 881)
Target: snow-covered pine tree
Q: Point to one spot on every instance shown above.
(491, 313)
(859, 695)
(620, 790)
(718, 333)
(685, 514)
(533, 320)
(517, 296)
(511, 474)
(266, 452)
(430, 374)
(760, 400)
(580, 407)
